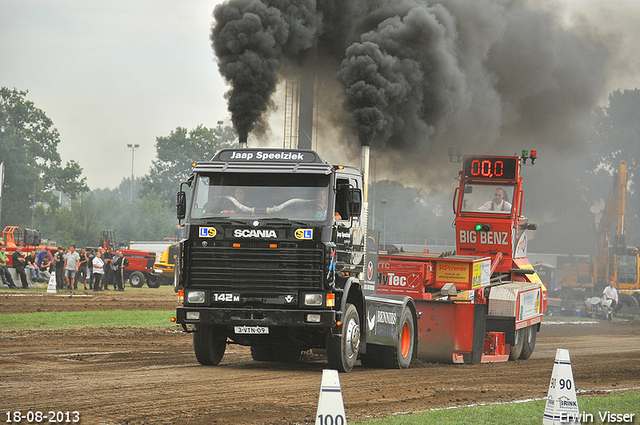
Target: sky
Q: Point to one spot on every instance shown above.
(112, 73)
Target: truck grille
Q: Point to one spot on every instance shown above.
(256, 266)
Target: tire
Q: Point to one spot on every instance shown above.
(209, 345)
(342, 351)
(627, 300)
(516, 347)
(399, 357)
(531, 333)
(137, 279)
(636, 295)
(154, 283)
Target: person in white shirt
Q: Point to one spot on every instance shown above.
(611, 293)
(98, 271)
(499, 202)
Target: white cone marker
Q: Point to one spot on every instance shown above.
(330, 405)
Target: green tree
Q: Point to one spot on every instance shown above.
(29, 150)
(176, 152)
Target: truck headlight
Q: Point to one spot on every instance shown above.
(196, 297)
(313, 299)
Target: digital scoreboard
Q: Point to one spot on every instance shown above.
(490, 168)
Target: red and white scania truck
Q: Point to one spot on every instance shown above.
(277, 256)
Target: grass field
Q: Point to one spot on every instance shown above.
(84, 319)
(524, 413)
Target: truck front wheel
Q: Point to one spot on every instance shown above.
(529, 344)
(342, 351)
(209, 345)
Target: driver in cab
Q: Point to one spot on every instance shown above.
(321, 206)
(499, 202)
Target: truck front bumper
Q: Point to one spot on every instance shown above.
(256, 317)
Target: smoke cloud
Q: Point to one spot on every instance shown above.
(417, 77)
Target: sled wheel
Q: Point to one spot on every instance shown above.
(516, 347)
(529, 344)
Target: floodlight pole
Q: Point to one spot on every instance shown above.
(133, 149)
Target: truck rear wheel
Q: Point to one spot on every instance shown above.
(531, 333)
(399, 357)
(137, 279)
(342, 351)
(209, 345)
(516, 347)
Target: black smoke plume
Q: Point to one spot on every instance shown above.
(486, 76)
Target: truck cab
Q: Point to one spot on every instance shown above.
(274, 249)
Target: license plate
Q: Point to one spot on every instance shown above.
(256, 330)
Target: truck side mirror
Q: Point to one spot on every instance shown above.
(181, 205)
(355, 202)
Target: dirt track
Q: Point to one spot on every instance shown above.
(150, 376)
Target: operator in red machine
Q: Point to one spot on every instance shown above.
(498, 203)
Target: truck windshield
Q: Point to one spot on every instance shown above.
(487, 198)
(300, 197)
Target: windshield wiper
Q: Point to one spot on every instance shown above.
(284, 221)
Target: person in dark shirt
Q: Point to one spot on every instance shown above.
(19, 263)
(119, 265)
(109, 277)
(34, 272)
(43, 261)
(59, 265)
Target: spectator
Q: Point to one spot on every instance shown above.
(71, 268)
(59, 267)
(34, 272)
(82, 268)
(43, 261)
(98, 271)
(90, 256)
(4, 270)
(120, 264)
(19, 263)
(108, 269)
(611, 293)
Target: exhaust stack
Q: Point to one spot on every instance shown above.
(242, 140)
(364, 161)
